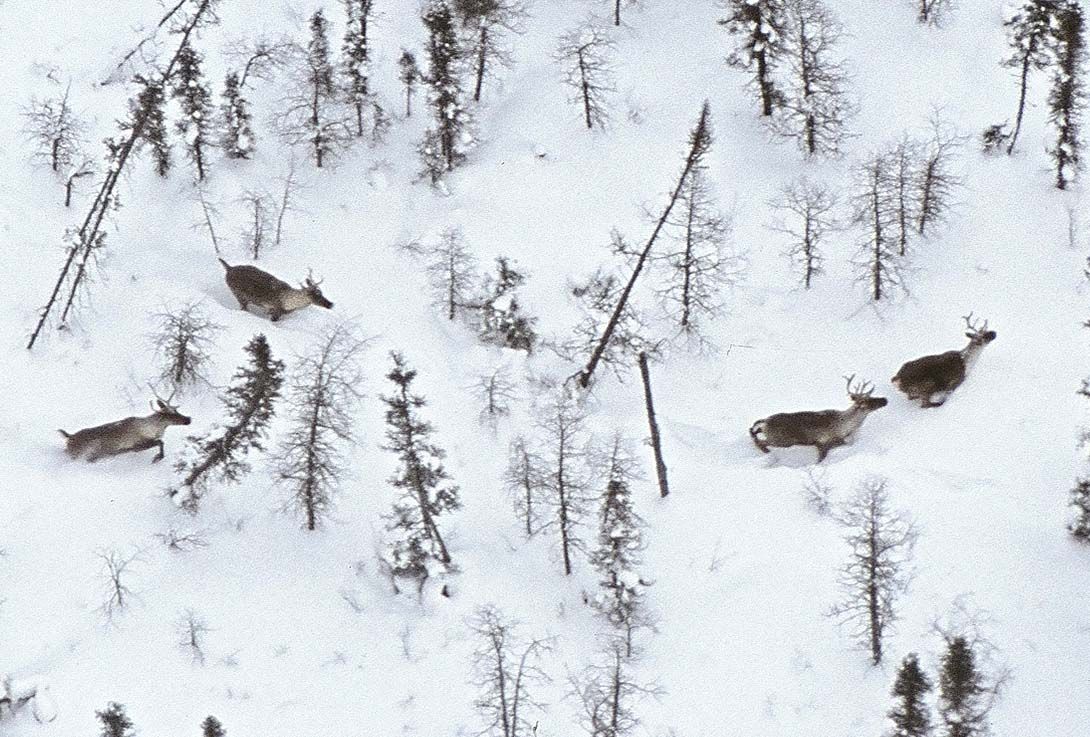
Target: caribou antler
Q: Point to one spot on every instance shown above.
(166, 401)
(310, 278)
(974, 327)
(858, 389)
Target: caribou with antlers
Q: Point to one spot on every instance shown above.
(825, 429)
(937, 376)
(129, 435)
(252, 286)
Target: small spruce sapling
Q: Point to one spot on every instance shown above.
(211, 727)
(448, 139)
(759, 26)
(409, 74)
(910, 714)
(502, 320)
(1067, 98)
(115, 722)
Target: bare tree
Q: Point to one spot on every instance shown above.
(700, 140)
(259, 57)
(182, 541)
(57, 133)
(805, 212)
(322, 394)
(209, 214)
(495, 392)
(451, 271)
(874, 209)
(184, 340)
(255, 234)
(313, 112)
(877, 573)
(289, 187)
(815, 105)
(114, 575)
(565, 478)
(191, 629)
(904, 163)
(608, 692)
(818, 492)
(655, 438)
(486, 21)
(936, 182)
(84, 244)
(525, 481)
(698, 268)
(585, 55)
(506, 669)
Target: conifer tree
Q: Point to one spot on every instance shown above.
(874, 207)
(1067, 99)
(237, 137)
(502, 319)
(196, 102)
(148, 109)
(356, 59)
(250, 404)
(525, 481)
(910, 715)
(450, 133)
(409, 74)
(620, 545)
(759, 25)
(211, 727)
(115, 722)
(415, 547)
(485, 22)
(1029, 32)
(313, 111)
(1080, 500)
(963, 696)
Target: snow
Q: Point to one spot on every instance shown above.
(306, 633)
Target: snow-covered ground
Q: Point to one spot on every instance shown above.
(743, 571)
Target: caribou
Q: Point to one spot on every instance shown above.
(939, 375)
(824, 430)
(129, 435)
(252, 286)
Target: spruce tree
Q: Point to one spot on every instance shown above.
(1066, 101)
(620, 544)
(211, 727)
(115, 722)
(963, 697)
(451, 127)
(759, 24)
(356, 58)
(503, 321)
(196, 102)
(250, 404)
(1029, 31)
(238, 135)
(148, 109)
(415, 546)
(1080, 500)
(910, 714)
(409, 74)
